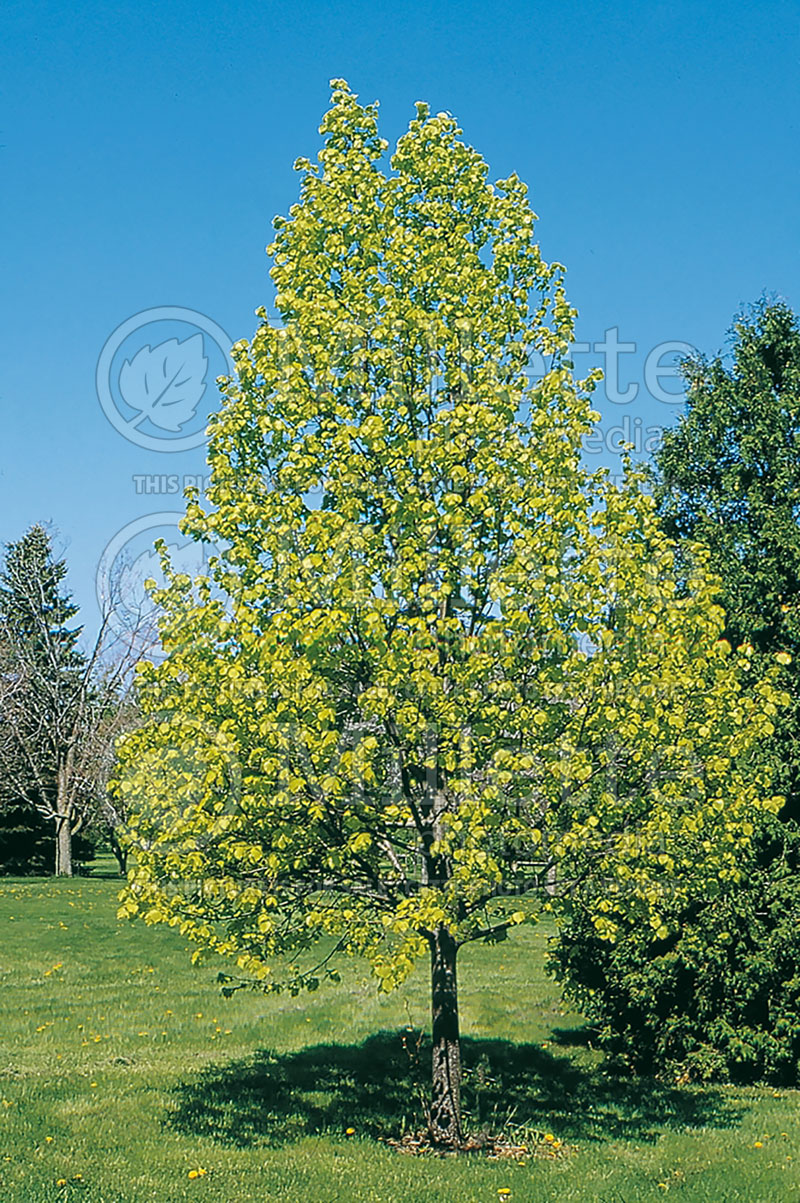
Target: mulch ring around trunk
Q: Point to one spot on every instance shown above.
(538, 1145)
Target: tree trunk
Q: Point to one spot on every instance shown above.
(119, 852)
(63, 846)
(445, 1117)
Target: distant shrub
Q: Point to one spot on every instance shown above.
(27, 843)
(717, 999)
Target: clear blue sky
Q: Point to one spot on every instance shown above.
(146, 148)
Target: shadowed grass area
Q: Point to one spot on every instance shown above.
(375, 1087)
(123, 1072)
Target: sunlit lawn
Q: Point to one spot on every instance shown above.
(124, 1074)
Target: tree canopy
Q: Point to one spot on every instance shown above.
(728, 475)
(718, 996)
(439, 676)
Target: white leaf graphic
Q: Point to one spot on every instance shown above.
(165, 383)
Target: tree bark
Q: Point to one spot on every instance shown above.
(445, 1116)
(63, 846)
(119, 852)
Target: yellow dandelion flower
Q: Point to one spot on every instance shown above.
(61, 1182)
(49, 1139)
(759, 1144)
(349, 1131)
(549, 1137)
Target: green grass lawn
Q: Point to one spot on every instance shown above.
(122, 1070)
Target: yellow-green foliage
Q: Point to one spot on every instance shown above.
(438, 674)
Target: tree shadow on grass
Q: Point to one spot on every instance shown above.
(584, 1035)
(377, 1088)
